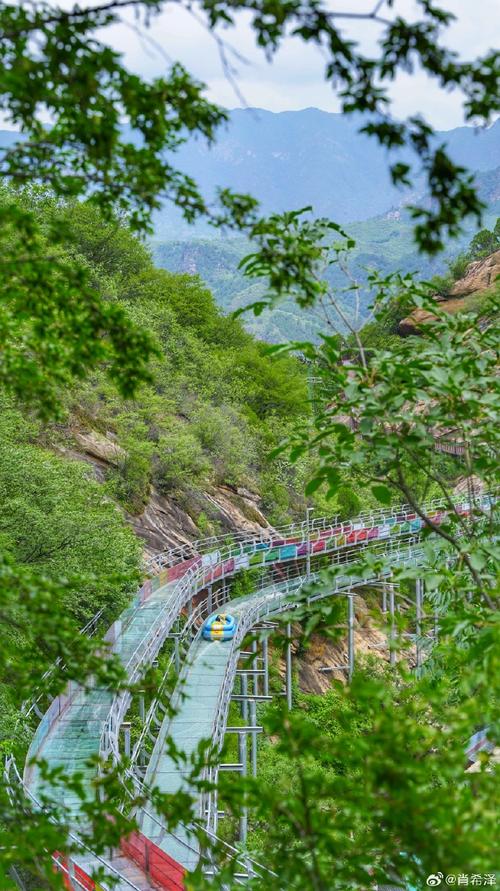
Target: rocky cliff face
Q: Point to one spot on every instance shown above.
(166, 521)
(324, 660)
(479, 277)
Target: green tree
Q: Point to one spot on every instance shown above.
(66, 553)
(485, 242)
(386, 804)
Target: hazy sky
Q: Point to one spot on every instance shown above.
(294, 79)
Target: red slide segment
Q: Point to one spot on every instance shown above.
(163, 871)
(79, 878)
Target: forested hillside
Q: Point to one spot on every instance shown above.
(214, 407)
(215, 404)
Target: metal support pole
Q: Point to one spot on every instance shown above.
(209, 599)
(255, 689)
(242, 749)
(392, 630)
(350, 635)
(308, 555)
(419, 596)
(265, 656)
(126, 738)
(215, 811)
(289, 666)
(71, 873)
(384, 598)
(244, 693)
(177, 655)
(13, 873)
(253, 723)
(142, 706)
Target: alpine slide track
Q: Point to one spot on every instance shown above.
(185, 585)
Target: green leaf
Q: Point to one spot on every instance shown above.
(382, 494)
(314, 484)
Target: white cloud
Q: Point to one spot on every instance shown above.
(295, 78)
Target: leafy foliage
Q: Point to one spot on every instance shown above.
(381, 796)
(52, 63)
(66, 553)
(385, 803)
(485, 242)
(53, 323)
(391, 821)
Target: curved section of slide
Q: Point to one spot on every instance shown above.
(202, 695)
(85, 722)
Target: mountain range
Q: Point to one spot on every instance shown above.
(293, 159)
(310, 157)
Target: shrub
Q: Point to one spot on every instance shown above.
(349, 503)
(226, 439)
(131, 483)
(179, 460)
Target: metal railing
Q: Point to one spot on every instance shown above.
(249, 866)
(198, 577)
(14, 782)
(309, 531)
(264, 608)
(219, 566)
(222, 564)
(182, 641)
(32, 705)
(303, 530)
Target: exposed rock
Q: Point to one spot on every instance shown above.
(480, 275)
(412, 324)
(188, 262)
(99, 467)
(322, 653)
(165, 523)
(238, 507)
(464, 486)
(170, 521)
(101, 447)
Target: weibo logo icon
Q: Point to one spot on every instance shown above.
(435, 879)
